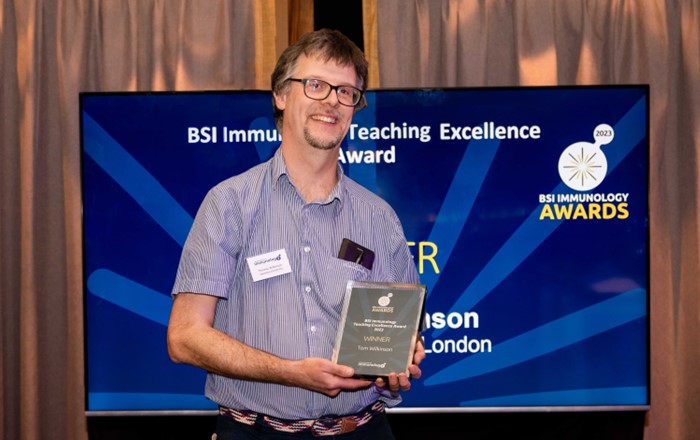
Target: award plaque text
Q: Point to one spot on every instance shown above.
(379, 326)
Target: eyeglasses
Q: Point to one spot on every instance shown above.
(319, 90)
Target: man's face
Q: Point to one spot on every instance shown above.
(320, 124)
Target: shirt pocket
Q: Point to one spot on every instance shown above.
(335, 277)
(349, 270)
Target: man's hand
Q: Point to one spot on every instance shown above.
(193, 340)
(396, 382)
(325, 377)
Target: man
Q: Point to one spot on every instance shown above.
(267, 344)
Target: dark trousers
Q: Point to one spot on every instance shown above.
(228, 429)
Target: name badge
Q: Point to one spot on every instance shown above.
(269, 265)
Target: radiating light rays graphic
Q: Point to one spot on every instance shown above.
(514, 251)
(130, 295)
(554, 335)
(458, 203)
(581, 166)
(155, 201)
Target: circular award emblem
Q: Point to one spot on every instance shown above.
(582, 165)
(385, 300)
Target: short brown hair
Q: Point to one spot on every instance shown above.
(329, 45)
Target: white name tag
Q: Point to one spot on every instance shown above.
(269, 265)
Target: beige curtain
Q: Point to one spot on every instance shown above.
(444, 43)
(51, 51)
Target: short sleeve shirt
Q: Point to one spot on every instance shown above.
(294, 315)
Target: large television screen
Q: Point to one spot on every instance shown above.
(525, 210)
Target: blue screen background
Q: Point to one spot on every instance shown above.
(563, 303)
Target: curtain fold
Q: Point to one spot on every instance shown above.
(369, 38)
(450, 43)
(301, 18)
(52, 51)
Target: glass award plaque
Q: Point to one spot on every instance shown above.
(379, 326)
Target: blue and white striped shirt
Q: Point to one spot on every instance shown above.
(294, 315)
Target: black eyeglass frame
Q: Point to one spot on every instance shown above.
(331, 87)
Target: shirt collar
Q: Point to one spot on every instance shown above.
(279, 169)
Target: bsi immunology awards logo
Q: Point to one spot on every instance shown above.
(384, 302)
(583, 167)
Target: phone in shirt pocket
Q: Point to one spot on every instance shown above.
(356, 253)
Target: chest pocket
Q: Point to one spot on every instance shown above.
(337, 274)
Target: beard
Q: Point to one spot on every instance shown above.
(322, 144)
